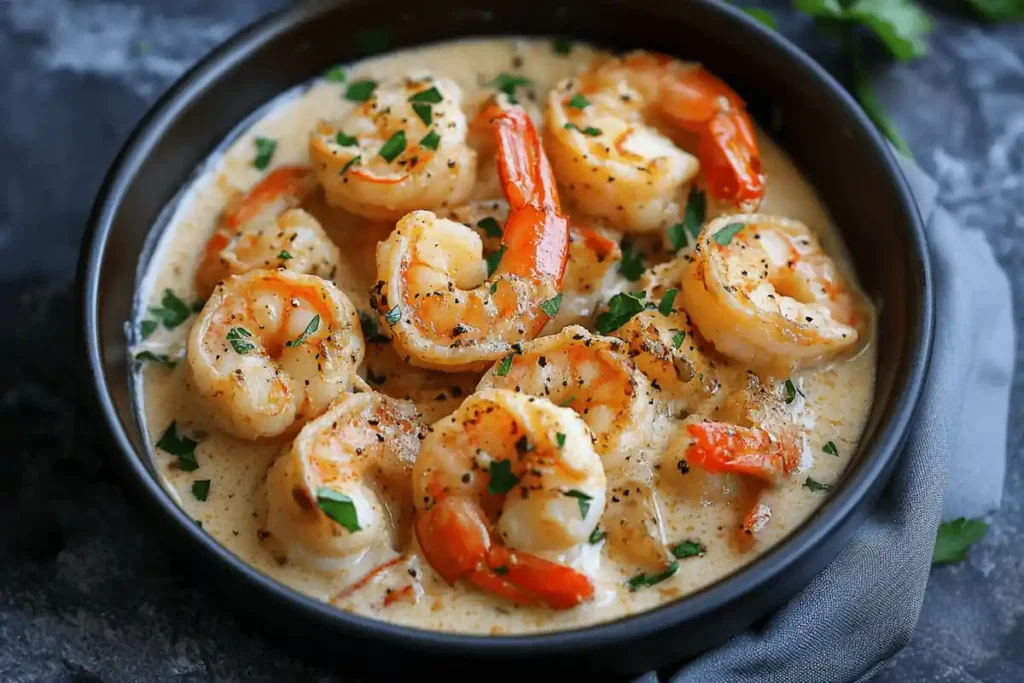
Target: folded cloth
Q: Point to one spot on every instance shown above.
(863, 607)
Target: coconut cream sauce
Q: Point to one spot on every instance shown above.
(833, 401)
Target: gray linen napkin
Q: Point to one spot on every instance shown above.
(863, 607)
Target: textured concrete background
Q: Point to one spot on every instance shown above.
(88, 594)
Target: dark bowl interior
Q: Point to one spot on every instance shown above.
(804, 110)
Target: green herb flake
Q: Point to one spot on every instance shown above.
(567, 402)
(181, 447)
(147, 327)
(596, 536)
(693, 216)
(505, 365)
(632, 265)
(552, 305)
(688, 549)
(265, 148)
(351, 162)
(429, 96)
(172, 311)
(491, 226)
(502, 480)
(156, 358)
(393, 147)
(578, 101)
(501, 570)
(393, 316)
(201, 489)
(431, 141)
(560, 438)
(336, 74)
(589, 130)
(830, 448)
(285, 256)
(677, 338)
(725, 235)
(371, 332)
(677, 236)
(667, 301)
(789, 391)
(816, 486)
(425, 113)
(312, 327)
(241, 340)
(621, 309)
(346, 140)
(507, 83)
(338, 507)
(360, 91)
(762, 15)
(583, 499)
(641, 580)
(493, 259)
(955, 537)
(562, 45)
(494, 287)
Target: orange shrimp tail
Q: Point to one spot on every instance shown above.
(547, 583)
(537, 232)
(454, 537)
(718, 447)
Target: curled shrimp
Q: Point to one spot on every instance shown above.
(343, 487)
(503, 477)
(264, 228)
(403, 149)
(763, 291)
(434, 293)
(271, 349)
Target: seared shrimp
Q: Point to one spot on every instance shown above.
(434, 293)
(343, 486)
(264, 228)
(403, 149)
(271, 349)
(505, 475)
(763, 291)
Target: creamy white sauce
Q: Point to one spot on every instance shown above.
(832, 405)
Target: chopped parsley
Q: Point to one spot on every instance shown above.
(148, 327)
(494, 287)
(688, 549)
(371, 333)
(677, 338)
(360, 91)
(693, 217)
(313, 326)
(507, 83)
(578, 101)
(491, 226)
(501, 570)
(285, 256)
(336, 74)
(641, 580)
(677, 236)
(345, 140)
(789, 390)
(552, 305)
(621, 309)
(425, 113)
(816, 486)
(632, 264)
(505, 365)
(172, 311)
(393, 147)
(502, 480)
(181, 447)
(393, 316)
(430, 96)
(561, 45)
(156, 358)
(830, 448)
(241, 340)
(560, 438)
(338, 507)
(667, 301)
(725, 235)
(351, 162)
(201, 489)
(955, 537)
(596, 536)
(583, 499)
(431, 140)
(493, 259)
(265, 148)
(589, 130)
(567, 402)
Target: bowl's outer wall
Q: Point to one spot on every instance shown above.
(804, 111)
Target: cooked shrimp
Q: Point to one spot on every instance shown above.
(271, 349)
(609, 162)
(507, 475)
(434, 293)
(343, 486)
(403, 149)
(253, 232)
(763, 291)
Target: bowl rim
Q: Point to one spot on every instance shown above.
(834, 512)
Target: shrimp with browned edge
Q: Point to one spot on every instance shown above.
(503, 478)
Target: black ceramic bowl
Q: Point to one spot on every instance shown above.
(801, 106)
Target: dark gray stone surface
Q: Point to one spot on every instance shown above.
(88, 592)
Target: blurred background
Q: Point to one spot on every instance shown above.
(90, 594)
